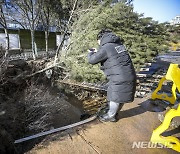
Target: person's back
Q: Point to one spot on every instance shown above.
(118, 60)
(117, 66)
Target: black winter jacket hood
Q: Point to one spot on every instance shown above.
(109, 38)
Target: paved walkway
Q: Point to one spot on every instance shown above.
(136, 122)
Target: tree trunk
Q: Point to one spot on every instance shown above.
(46, 40)
(33, 44)
(7, 42)
(66, 29)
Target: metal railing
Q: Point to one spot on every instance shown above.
(29, 55)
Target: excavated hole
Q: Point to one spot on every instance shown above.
(38, 104)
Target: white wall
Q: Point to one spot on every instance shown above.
(13, 40)
(58, 39)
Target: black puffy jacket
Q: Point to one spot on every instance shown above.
(118, 68)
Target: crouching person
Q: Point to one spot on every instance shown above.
(119, 70)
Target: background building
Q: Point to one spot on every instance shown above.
(175, 21)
